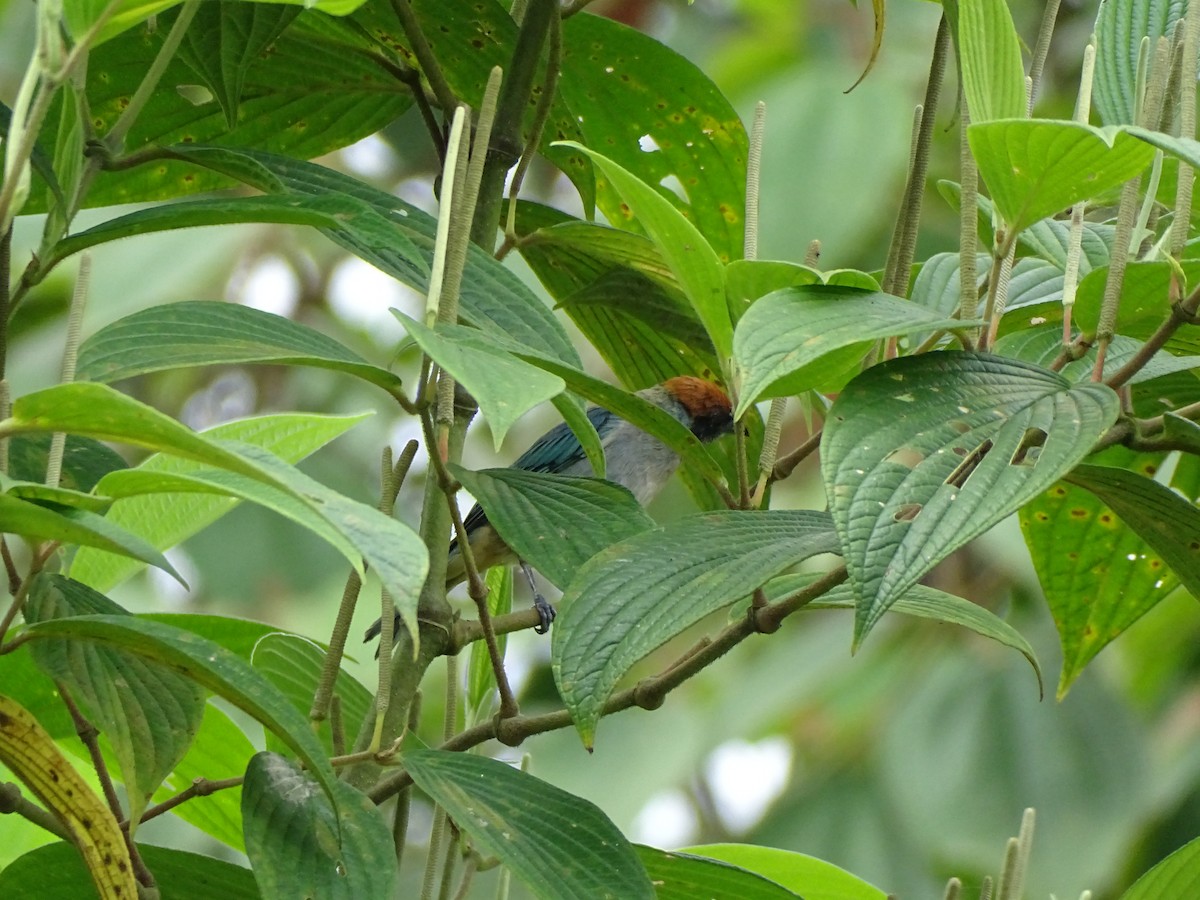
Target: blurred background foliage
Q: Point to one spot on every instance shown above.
(905, 764)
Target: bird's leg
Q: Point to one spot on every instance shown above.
(544, 610)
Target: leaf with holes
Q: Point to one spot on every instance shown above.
(638, 594)
(924, 453)
(561, 846)
(1098, 576)
(1165, 520)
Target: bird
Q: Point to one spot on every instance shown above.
(633, 459)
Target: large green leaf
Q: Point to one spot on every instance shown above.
(689, 256)
(504, 386)
(922, 454)
(1166, 521)
(989, 53)
(1098, 577)
(318, 89)
(1145, 297)
(560, 845)
(813, 878)
(303, 842)
(618, 291)
(492, 298)
(1176, 876)
(682, 876)
(361, 533)
(645, 590)
(556, 523)
(202, 333)
(392, 549)
(56, 872)
(206, 663)
(781, 338)
(70, 525)
(294, 665)
(84, 461)
(165, 520)
(656, 114)
(149, 714)
(224, 39)
(1038, 167)
(1120, 28)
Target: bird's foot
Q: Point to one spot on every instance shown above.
(546, 613)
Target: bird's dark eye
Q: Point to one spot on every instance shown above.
(711, 426)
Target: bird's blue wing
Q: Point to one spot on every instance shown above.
(553, 452)
(558, 448)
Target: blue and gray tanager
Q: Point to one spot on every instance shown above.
(633, 459)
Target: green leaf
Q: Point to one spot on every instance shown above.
(989, 53)
(481, 677)
(205, 333)
(1042, 346)
(220, 750)
(1038, 167)
(43, 494)
(392, 549)
(388, 546)
(1166, 521)
(56, 872)
(559, 845)
(302, 843)
(1120, 28)
(492, 298)
(781, 338)
(206, 663)
(682, 876)
(165, 520)
(645, 590)
(223, 41)
(505, 387)
(318, 89)
(924, 603)
(1176, 876)
(556, 523)
(294, 665)
(618, 291)
(238, 636)
(1098, 576)
(689, 256)
(76, 526)
(84, 460)
(924, 453)
(661, 118)
(148, 714)
(1145, 297)
(814, 878)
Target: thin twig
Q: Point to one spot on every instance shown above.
(425, 58)
(13, 802)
